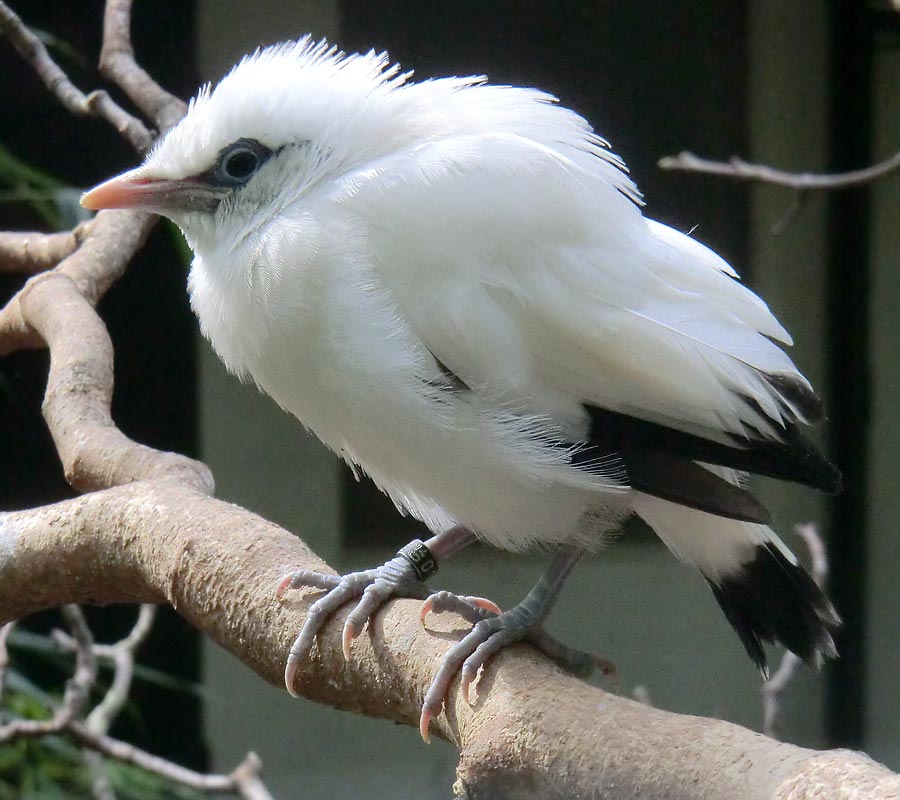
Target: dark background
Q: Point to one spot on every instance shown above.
(149, 321)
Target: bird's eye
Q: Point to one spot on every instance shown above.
(238, 162)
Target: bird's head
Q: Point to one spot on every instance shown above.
(281, 122)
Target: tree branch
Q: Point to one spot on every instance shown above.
(77, 688)
(244, 779)
(760, 173)
(94, 452)
(32, 253)
(92, 733)
(107, 249)
(117, 63)
(5, 631)
(96, 104)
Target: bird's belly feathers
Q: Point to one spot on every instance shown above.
(338, 357)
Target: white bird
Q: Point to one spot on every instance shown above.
(452, 285)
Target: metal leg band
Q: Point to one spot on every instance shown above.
(420, 558)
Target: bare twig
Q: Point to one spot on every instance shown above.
(121, 654)
(5, 631)
(642, 694)
(760, 173)
(101, 785)
(773, 688)
(817, 553)
(139, 632)
(244, 780)
(77, 687)
(118, 64)
(96, 104)
(91, 733)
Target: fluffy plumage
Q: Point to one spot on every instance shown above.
(453, 286)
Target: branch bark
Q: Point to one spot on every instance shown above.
(114, 238)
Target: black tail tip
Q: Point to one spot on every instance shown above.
(798, 394)
(769, 599)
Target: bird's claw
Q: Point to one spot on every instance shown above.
(305, 577)
(372, 587)
(492, 631)
(470, 608)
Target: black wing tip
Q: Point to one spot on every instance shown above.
(772, 600)
(691, 485)
(792, 458)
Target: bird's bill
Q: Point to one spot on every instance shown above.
(136, 189)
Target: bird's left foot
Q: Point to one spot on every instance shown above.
(491, 632)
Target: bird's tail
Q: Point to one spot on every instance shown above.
(765, 594)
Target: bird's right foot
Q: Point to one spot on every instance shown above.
(402, 576)
(372, 588)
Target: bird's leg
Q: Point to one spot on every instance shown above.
(492, 632)
(402, 576)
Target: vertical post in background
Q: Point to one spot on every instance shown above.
(850, 380)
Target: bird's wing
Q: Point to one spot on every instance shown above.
(530, 275)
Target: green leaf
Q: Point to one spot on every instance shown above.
(52, 200)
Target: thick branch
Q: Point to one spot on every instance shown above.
(760, 173)
(114, 238)
(534, 732)
(94, 452)
(32, 253)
